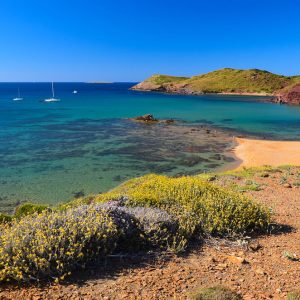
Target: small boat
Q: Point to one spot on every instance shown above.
(19, 98)
(74, 92)
(53, 99)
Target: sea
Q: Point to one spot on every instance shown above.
(86, 143)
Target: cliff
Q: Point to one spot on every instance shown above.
(291, 95)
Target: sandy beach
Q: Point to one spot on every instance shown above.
(254, 153)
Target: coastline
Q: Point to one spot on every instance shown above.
(257, 153)
(185, 92)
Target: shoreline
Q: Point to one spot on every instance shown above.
(194, 93)
(257, 153)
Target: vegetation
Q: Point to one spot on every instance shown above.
(150, 212)
(230, 81)
(51, 244)
(214, 293)
(198, 204)
(26, 209)
(293, 295)
(5, 218)
(161, 79)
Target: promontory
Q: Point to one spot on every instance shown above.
(283, 89)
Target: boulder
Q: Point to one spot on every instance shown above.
(146, 118)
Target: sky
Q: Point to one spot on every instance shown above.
(72, 40)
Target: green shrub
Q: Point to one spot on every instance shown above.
(197, 203)
(293, 295)
(214, 293)
(248, 186)
(51, 244)
(26, 209)
(5, 218)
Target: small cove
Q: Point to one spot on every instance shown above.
(52, 152)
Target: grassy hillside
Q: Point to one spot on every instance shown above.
(225, 81)
(231, 80)
(161, 79)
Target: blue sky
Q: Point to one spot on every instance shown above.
(130, 40)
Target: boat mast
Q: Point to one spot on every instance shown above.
(52, 90)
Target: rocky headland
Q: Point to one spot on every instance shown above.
(281, 89)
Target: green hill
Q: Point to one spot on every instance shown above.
(252, 81)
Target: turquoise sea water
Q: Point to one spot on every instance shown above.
(51, 152)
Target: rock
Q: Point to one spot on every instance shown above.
(287, 185)
(148, 118)
(260, 271)
(236, 259)
(221, 266)
(212, 260)
(264, 175)
(255, 246)
(290, 96)
(145, 118)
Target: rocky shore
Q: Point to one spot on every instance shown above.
(290, 96)
(185, 89)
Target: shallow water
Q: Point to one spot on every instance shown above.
(51, 152)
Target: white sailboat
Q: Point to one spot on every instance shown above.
(53, 99)
(19, 98)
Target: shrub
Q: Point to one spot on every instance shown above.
(293, 295)
(159, 228)
(26, 209)
(214, 293)
(197, 204)
(5, 218)
(248, 186)
(151, 211)
(130, 235)
(51, 244)
(146, 227)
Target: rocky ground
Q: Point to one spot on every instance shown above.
(267, 267)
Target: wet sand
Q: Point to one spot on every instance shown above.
(255, 153)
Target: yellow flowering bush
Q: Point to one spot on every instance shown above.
(152, 211)
(51, 244)
(213, 209)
